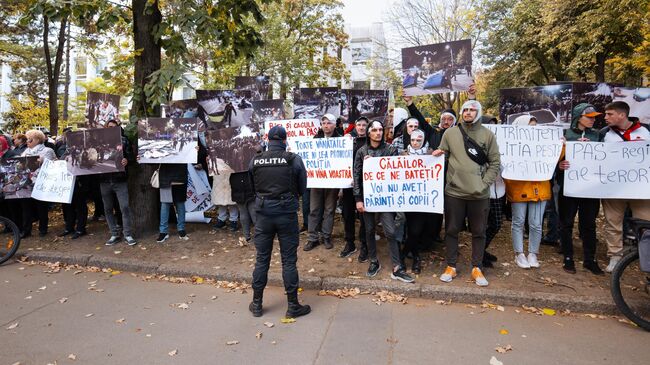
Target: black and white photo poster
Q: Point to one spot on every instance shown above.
(550, 104)
(224, 108)
(100, 108)
(372, 104)
(259, 86)
(268, 110)
(315, 102)
(233, 146)
(167, 140)
(94, 151)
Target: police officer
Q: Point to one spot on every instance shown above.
(278, 177)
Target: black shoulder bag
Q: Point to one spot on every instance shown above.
(473, 149)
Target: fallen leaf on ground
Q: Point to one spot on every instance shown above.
(121, 320)
(311, 270)
(63, 300)
(341, 293)
(12, 326)
(268, 324)
(172, 353)
(504, 332)
(42, 288)
(234, 342)
(181, 305)
(503, 349)
(115, 272)
(548, 311)
(117, 252)
(287, 320)
(258, 335)
(72, 357)
(213, 297)
(495, 361)
(443, 302)
(89, 315)
(28, 298)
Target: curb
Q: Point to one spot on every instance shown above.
(584, 304)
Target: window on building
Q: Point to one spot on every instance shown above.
(102, 64)
(80, 67)
(361, 85)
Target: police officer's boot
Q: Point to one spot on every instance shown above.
(295, 309)
(256, 305)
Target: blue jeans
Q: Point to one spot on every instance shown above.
(164, 216)
(535, 219)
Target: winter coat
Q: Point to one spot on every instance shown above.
(465, 179)
(384, 149)
(527, 191)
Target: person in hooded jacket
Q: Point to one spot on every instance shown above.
(467, 185)
(376, 147)
(583, 118)
(349, 206)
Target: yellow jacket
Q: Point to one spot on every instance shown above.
(527, 191)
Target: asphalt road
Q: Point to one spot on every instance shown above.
(99, 318)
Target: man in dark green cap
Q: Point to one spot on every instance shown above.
(582, 122)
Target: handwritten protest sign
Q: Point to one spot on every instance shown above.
(403, 184)
(618, 170)
(528, 153)
(294, 127)
(54, 183)
(328, 160)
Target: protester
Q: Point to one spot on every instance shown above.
(377, 147)
(583, 118)
(349, 207)
(416, 222)
(621, 128)
(222, 197)
(20, 145)
(173, 191)
(322, 203)
(75, 214)
(115, 186)
(527, 197)
(241, 187)
(471, 170)
(278, 178)
(35, 147)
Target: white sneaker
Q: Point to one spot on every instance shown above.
(448, 275)
(521, 261)
(532, 260)
(612, 263)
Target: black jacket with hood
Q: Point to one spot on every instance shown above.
(384, 149)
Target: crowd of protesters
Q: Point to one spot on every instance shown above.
(476, 197)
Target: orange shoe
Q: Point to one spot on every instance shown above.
(478, 277)
(448, 275)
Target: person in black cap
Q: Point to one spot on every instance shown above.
(278, 178)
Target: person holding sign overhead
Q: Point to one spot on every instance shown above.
(473, 164)
(376, 147)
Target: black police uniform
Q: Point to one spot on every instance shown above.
(278, 179)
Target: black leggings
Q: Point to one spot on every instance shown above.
(417, 231)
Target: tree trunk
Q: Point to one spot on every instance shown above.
(600, 67)
(53, 70)
(66, 90)
(143, 199)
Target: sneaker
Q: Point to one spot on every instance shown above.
(233, 226)
(182, 235)
(130, 240)
(373, 269)
(363, 254)
(310, 245)
(612, 263)
(328, 244)
(593, 267)
(532, 260)
(478, 277)
(522, 261)
(220, 224)
(401, 275)
(162, 237)
(78, 234)
(569, 266)
(448, 275)
(113, 240)
(348, 250)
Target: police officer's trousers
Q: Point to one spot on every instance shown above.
(286, 227)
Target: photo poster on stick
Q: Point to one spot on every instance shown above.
(598, 170)
(328, 160)
(94, 151)
(550, 104)
(54, 183)
(224, 108)
(18, 175)
(100, 108)
(167, 140)
(259, 86)
(316, 102)
(267, 110)
(437, 68)
(404, 184)
(234, 147)
(294, 127)
(372, 104)
(528, 153)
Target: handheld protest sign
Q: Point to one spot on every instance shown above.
(328, 160)
(167, 140)
(404, 184)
